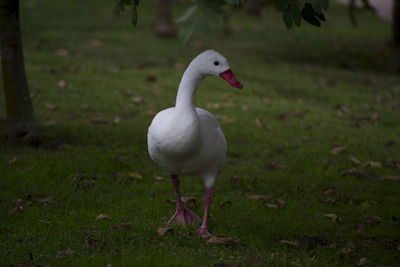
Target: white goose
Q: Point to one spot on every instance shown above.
(185, 140)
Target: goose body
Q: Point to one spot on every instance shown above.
(185, 140)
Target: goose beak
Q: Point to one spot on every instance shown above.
(230, 78)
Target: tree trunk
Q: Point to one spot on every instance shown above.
(165, 26)
(20, 125)
(396, 24)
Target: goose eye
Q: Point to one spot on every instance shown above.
(216, 63)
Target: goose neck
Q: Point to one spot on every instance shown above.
(187, 88)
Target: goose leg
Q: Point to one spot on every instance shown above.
(203, 230)
(182, 214)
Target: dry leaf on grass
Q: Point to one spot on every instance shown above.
(347, 253)
(65, 253)
(363, 261)
(372, 164)
(220, 240)
(334, 217)
(275, 166)
(44, 200)
(158, 178)
(354, 171)
(135, 175)
(391, 178)
(259, 197)
(102, 216)
(62, 84)
(12, 160)
(258, 123)
(371, 220)
(338, 150)
(100, 120)
(49, 106)
(94, 243)
(290, 243)
(61, 52)
(355, 160)
(162, 231)
(117, 119)
(137, 100)
(121, 226)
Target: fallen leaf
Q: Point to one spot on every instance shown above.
(17, 209)
(365, 205)
(12, 160)
(363, 261)
(271, 205)
(290, 243)
(49, 106)
(337, 150)
(162, 231)
(279, 202)
(210, 105)
(135, 175)
(179, 66)
(65, 253)
(95, 43)
(371, 220)
(259, 197)
(311, 242)
(258, 123)
(347, 253)
(61, 52)
(355, 172)
(245, 108)
(225, 118)
(274, 256)
(44, 200)
(275, 166)
(137, 99)
(62, 84)
(158, 178)
(116, 227)
(355, 161)
(99, 120)
(391, 178)
(94, 243)
(373, 164)
(127, 93)
(333, 217)
(117, 119)
(267, 100)
(102, 216)
(330, 191)
(220, 240)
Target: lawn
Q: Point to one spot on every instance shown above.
(313, 170)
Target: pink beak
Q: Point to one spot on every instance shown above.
(231, 79)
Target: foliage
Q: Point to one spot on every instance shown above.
(120, 7)
(293, 11)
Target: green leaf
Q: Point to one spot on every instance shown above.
(203, 25)
(134, 15)
(296, 13)
(189, 13)
(186, 32)
(118, 8)
(287, 18)
(309, 15)
(211, 17)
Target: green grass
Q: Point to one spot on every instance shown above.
(305, 73)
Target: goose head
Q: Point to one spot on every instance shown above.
(212, 63)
